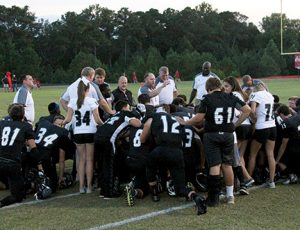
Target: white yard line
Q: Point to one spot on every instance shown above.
(40, 201)
(142, 217)
(152, 214)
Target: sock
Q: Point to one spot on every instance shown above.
(229, 191)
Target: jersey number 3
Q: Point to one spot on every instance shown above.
(85, 119)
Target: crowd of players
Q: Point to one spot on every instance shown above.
(229, 139)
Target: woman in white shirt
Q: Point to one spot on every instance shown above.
(83, 112)
(244, 131)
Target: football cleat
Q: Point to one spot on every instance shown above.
(170, 188)
(129, 195)
(200, 204)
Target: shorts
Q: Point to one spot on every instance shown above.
(218, 148)
(262, 135)
(244, 132)
(84, 138)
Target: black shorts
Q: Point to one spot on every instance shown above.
(262, 135)
(84, 138)
(244, 132)
(218, 148)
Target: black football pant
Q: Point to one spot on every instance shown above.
(109, 170)
(137, 168)
(12, 170)
(171, 158)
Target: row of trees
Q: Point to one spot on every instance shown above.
(126, 41)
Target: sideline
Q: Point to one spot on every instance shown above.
(152, 214)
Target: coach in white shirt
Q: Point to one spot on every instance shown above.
(150, 89)
(199, 83)
(87, 76)
(169, 92)
(24, 96)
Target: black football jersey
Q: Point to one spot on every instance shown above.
(219, 111)
(49, 136)
(292, 126)
(137, 149)
(166, 131)
(13, 135)
(188, 130)
(114, 126)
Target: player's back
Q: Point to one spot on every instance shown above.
(166, 131)
(13, 135)
(114, 125)
(264, 109)
(48, 135)
(219, 111)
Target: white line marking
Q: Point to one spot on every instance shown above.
(40, 201)
(153, 214)
(142, 217)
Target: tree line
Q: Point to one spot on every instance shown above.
(126, 42)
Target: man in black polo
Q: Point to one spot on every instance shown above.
(122, 93)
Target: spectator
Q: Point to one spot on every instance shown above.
(199, 83)
(15, 83)
(177, 76)
(149, 88)
(87, 75)
(122, 93)
(24, 97)
(169, 91)
(5, 84)
(249, 83)
(134, 78)
(292, 104)
(8, 75)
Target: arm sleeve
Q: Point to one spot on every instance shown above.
(203, 106)
(239, 103)
(144, 90)
(66, 96)
(98, 92)
(22, 96)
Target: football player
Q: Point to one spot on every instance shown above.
(218, 108)
(167, 135)
(14, 133)
(106, 137)
(262, 102)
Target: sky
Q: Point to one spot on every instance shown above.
(254, 9)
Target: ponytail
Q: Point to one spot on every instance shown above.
(82, 88)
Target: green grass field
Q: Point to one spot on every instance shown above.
(263, 209)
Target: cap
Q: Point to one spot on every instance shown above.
(53, 107)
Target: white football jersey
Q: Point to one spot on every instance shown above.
(84, 120)
(264, 109)
(237, 112)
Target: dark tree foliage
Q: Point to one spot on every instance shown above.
(126, 42)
